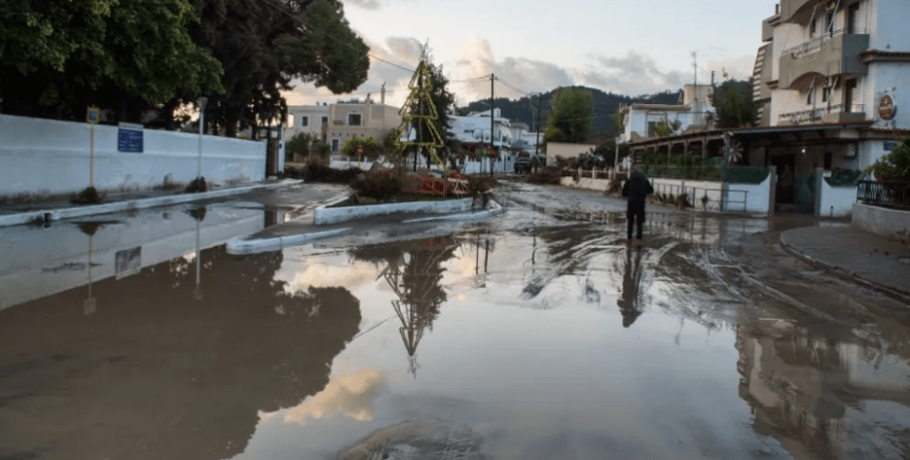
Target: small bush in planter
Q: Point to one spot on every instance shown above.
(88, 196)
(380, 187)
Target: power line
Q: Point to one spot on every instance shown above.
(349, 44)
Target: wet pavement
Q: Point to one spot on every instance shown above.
(537, 334)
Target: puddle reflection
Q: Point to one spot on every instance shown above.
(555, 343)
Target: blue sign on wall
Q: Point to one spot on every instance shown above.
(129, 138)
(889, 146)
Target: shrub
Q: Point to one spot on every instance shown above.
(198, 185)
(548, 175)
(480, 184)
(88, 196)
(895, 166)
(381, 187)
(315, 172)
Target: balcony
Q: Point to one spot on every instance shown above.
(826, 55)
(835, 113)
(797, 11)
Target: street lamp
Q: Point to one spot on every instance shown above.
(201, 102)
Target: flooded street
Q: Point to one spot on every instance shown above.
(537, 334)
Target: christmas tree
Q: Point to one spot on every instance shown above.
(419, 110)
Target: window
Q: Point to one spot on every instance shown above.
(853, 19)
(652, 126)
(829, 157)
(304, 121)
(813, 29)
(325, 121)
(826, 94)
(829, 23)
(336, 144)
(354, 119)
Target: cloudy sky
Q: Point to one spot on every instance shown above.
(625, 46)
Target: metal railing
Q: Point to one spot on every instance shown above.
(816, 114)
(885, 194)
(815, 44)
(701, 197)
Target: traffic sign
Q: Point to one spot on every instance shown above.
(93, 115)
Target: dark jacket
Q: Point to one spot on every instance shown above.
(637, 188)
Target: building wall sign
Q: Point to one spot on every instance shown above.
(887, 107)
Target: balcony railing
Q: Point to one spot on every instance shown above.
(887, 194)
(816, 115)
(816, 44)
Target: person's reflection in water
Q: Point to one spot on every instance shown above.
(629, 300)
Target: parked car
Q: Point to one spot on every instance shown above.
(527, 164)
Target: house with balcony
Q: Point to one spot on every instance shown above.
(335, 123)
(827, 78)
(695, 113)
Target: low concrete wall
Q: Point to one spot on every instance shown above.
(586, 183)
(835, 201)
(883, 221)
(757, 197)
(47, 157)
(325, 215)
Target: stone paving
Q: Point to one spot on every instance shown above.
(870, 259)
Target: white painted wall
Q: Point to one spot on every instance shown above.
(883, 221)
(48, 157)
(38, 263)
(835, 201)
(889, 25)
(888, 75)
(758, 197)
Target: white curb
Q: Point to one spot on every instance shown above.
(241, 246)
(463, 216)
(326, 214)
(145, 203)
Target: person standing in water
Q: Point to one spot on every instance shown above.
(636, 191)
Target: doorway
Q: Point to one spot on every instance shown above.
(784, 166)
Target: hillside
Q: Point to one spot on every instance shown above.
(605, 105)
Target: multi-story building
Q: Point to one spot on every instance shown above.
(473, 130)
(336, 123)
(307, 119)
(695, 112)
(828, 79)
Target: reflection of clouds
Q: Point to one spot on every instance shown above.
(350, 276)
(352, 396)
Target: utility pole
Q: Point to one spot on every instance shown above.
(492, 118)
(537, 144)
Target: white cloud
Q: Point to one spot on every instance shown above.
(372, 5)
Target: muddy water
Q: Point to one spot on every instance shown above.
(538, 337)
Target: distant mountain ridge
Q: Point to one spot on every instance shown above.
(605, 105)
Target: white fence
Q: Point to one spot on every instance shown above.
(701, 195)
(47, 157)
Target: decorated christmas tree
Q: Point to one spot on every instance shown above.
(418, 116)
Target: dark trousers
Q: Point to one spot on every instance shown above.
(636, 213)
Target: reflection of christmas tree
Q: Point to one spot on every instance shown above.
(414, 272)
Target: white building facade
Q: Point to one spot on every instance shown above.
(837, 63)
(829, 80)
(641, 120)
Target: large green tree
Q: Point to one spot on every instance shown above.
(264, 45)
(571, 119)
(56, 58)
(734, 104)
